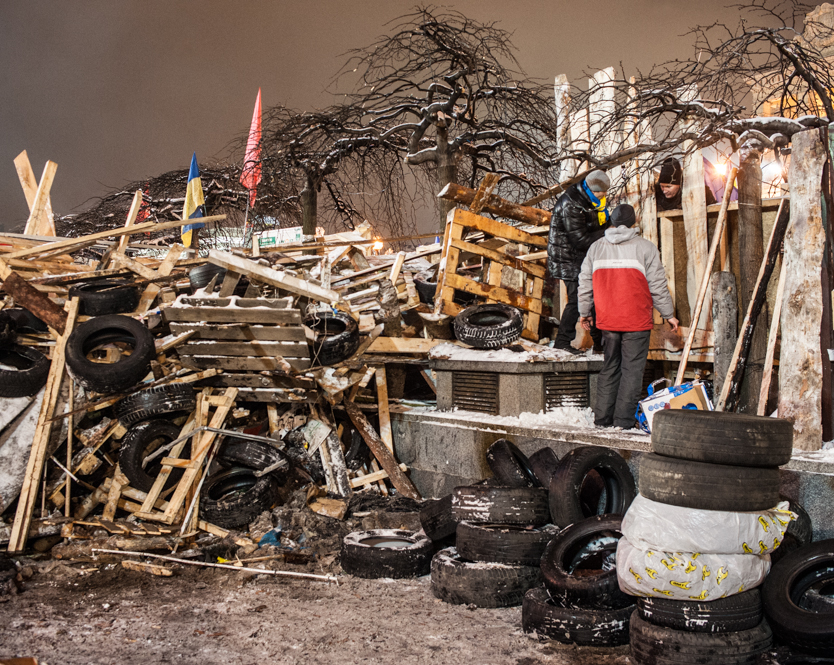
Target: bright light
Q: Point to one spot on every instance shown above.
(377, 245)
(721, 168)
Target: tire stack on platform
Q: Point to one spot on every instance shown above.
(704, 462)
(502, 529)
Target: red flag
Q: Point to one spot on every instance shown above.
(251, 174)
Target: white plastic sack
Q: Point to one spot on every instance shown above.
(686, 575)
(650, 525)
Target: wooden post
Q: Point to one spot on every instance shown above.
(29, 492)
(800, 360)
(751, 253)
(694, 202)
(724, 322)
(771, 344)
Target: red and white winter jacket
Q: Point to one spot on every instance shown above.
(622, 277)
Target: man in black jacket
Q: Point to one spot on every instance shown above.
(579, 219)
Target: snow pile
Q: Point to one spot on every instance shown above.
(540, 354)
(570, 416)
(825, 455)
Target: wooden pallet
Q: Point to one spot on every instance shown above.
(506, 279)
(243, 334)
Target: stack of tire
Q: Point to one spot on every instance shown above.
(580, 601)
(492, 534)
(704, 461)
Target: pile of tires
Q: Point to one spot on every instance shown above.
(710, 486)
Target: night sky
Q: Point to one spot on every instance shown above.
(118, 91)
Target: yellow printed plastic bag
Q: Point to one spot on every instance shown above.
(687, 575)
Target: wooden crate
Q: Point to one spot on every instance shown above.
(239, 334)
(500, 270)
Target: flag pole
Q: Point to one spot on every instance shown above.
(246, 215)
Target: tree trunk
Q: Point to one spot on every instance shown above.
(309, 208)
(447, 171)
(751, 253)
(725, 324)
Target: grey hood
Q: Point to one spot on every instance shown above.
(618, 234)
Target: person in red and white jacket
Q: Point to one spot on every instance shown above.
(623, 278)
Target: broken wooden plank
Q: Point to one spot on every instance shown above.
(497, 229)
(41, 221)
(400, 481)
(36, 302)
(152, 568)
(504, 259)
(261, 315)
(253, 348)
(240, 332)
(495, 205)
(37, 457)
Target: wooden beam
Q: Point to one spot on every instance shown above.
(400, 481)
(29, 297)
(497, 229)
(37, 457)
(495, 205)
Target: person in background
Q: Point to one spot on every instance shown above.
(668, 188)
(622, 278)
(579, 219)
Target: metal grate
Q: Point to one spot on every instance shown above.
(475, 391)
(568, 389)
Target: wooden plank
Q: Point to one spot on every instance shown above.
(164, 270)
(718, 233)
(503, 259)
(497, 229)
(114, 494)
(400, 481)
(71, 244)
(273, 277)
(767, 376)
(667, 253)
(241, 332)
(150, 499)
(36, 302)
(26, 175)
(132, 214)
(235, 302)
(496, 293)
(37, 457)
(800, 359)
(694, 202)
(254, 348)
(39, 222)
(142, 567)
(732, 384)
(384, 415)
(230, 282)
(243, 364)
(231, 315)
(495, 205)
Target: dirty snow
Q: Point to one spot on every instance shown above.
(826, 454)
(541, 354)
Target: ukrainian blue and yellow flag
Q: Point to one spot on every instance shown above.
(194, 201)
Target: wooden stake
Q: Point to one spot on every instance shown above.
(702, 289)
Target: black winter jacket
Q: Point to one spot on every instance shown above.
(574, 227)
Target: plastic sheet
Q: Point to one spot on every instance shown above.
(687, 575)
(650, 525)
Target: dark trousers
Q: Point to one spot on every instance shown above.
(621, 379)
(570, 315)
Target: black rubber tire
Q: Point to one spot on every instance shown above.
(660, 645)
(489, 326)
(8, 328)
(484, 504)
(461, 582)
(544, 463)
(105, 297)
(578, 544)
(25, 321)
(816, 601)
(358, 454)
(200, 276)
(362, 559)
(136, 445)
(426, 285)
(31, 370)
(584, 627)
(707, 486)
(337, 337)
(741, 611)
(436, 518)
(157, 401)
(783, 589)
(107, 378)
(718, 437)
(503, 543)
(510, 466)
(236, 497)
(257, 455)
(799, 533)
(566, 484)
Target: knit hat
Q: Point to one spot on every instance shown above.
(623, 215)
(597, 181)
(671, 172)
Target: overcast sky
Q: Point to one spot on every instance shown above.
(118, 91)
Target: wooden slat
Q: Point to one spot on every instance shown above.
(499, 257)
(231, 315)
(258, 348)
(494, 293)
(242, 332)
(243, 364)
(497, 229)
(384, 416)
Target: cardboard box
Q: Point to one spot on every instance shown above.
(685, 396)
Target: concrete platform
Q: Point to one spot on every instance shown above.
(447, 449)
